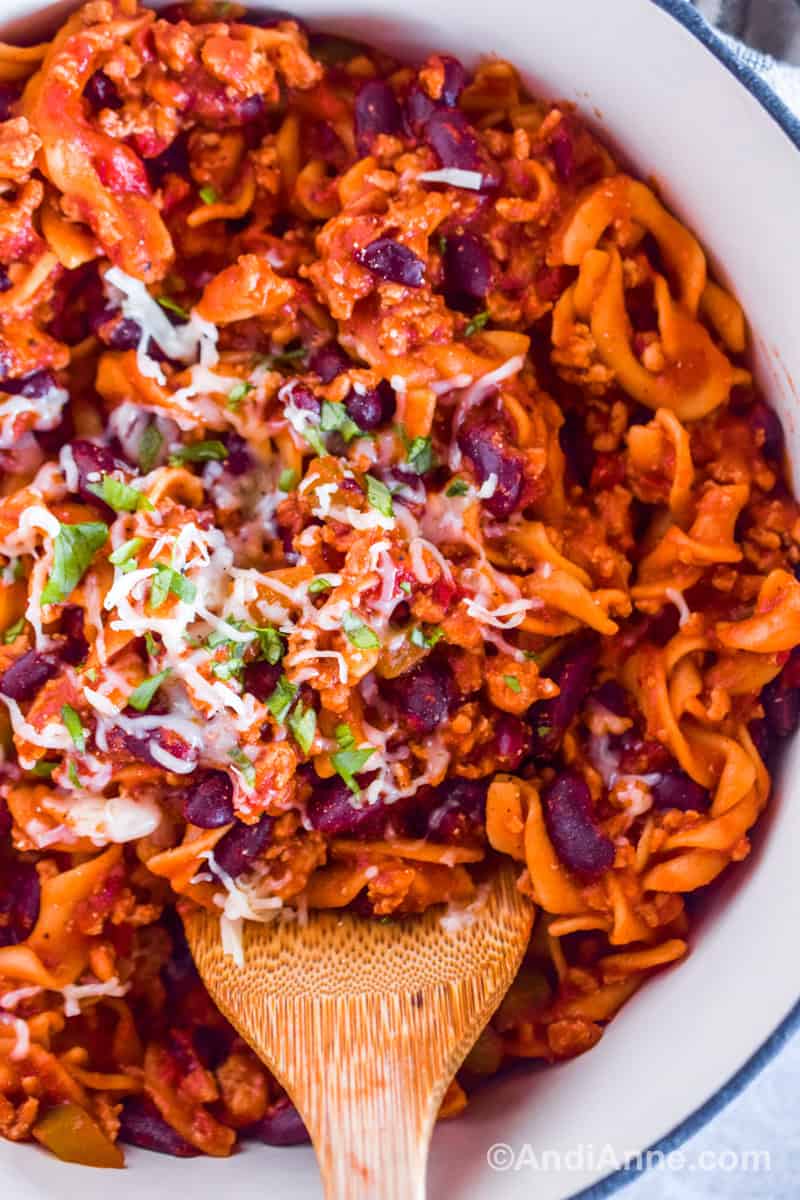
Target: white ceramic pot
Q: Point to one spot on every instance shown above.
(669, 96)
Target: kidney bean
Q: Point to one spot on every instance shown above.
(261, 678)
(237, 849)
(417, 110)
(209, 803)
(613, 697)
(460, 810)
(562, 148)
(5, 284)
(391, 261)
(372, 408)
(282, 1125)
(301, 396)
(424, 696)
(573, 829)
(34, 386)
(172, 161)
(376, 111)
(641, 756)
(572, 671)
(762, 739)
(767, 422)
(6, 821)
(141, 1124)
(27, 675)
(675, 789)
(331, 810)
(486, 444)
(453, 140)
(20, 895)
(511, 741)
(238, 461)
(781, 699)
(101, 92)
(455, 77)
(92, 460)
(328, 361)
(9, 95)
(467, 271)
(75, 647)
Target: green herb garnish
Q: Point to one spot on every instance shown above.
(74, 548)
(420, 455)
(167, 580)
(359, 634)
(379, 496)
(288, 480)
(120, 496)
(426, 638)
(142, 696)
(124, 555)
(74, 727)
(208, 194)
(282, 699)
(43, 769)
(13, 631)
(478, 322)
(349, 759)
(513, 683)
(334, 418)
(243, 764)
(173, 306)
(303, 724)
(320, 584)
(213, 451)
(149, 446)
(237, 394)
(458, 487)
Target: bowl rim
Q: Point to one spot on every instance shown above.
(684, 12)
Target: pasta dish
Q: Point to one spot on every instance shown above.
(384, 489)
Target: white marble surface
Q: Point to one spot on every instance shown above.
(764, 1117)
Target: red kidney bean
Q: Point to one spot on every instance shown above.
(781, 699)
(301, 396)
(172, 161)
(238, 461)
(453, 140)
(101, 92)
(467, 271)
(613, 697)
(209, 803)
(455, 77)
(762, 740)
(459, 811)
(562, 148)
(675, 789)
(5, 285)
(391, 261)
(573, 829)
(511, 742)
(6, 821)
(282, 1125)
(328, 361)
(141, 1124)
(376, 111)
(766, 421)
(486, 444)
(572, 671)
(417, 110)
(641, 756)
(331, 810)
(92, 460)
(27, 675)
(238, 848)
(34, 386)
(372, 408)
(75, 647)
(261, 678)
(20, 895)
(423, 696)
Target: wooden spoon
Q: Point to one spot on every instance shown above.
(366, 1023)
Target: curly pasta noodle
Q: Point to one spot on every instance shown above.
(384, 489)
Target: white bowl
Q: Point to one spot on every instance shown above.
(669, 95)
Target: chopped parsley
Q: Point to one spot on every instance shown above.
(213, 451)
(13, 631)
(243, 764)
(74, 549)
(172, 306)
(478, 322)
(426, 639)
(208, 194)
(544, 731)
(74, 777)
(124, 556)
(142, 696)
(237, 394)
(335, 418)
(420, 455)
(282, 699)
(74, 727)
(303, 724)
(119, 495)
(513, 683)
(166, 580)
(359, 634)
(283, 358)
(43, 769)
(150, 643)
(379, 496)
(288, 480)
(270, 643)
(457, 487)
(350, 759)
(405, 586)
(149, 447)
(320, 584)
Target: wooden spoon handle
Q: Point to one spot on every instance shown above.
(376, 1072)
